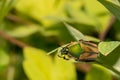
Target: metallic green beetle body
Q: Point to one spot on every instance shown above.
(84, 51)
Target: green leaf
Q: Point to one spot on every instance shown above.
(98, 72)
(24, 31)
(27, 30)
(110, 56)
(5, 7)
(110, 51)
(100, 14)
(38, 66)
(74, 9)
(92, 7)
(112, 7)
(75, 33)
(4, 59)
(90, 38)
(41, 10)
(65, 70)
(107, 47)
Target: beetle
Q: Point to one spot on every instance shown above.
(83, 51)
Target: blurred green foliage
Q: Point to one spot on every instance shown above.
(38, 66)
(4, 59)
(39, 24)
(98, 70)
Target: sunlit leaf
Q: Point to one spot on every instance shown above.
(24, 31)
(4, 59)
(99, 13)
(112, 7)
(107, 47)
(111, 57)
(90, 38)
(94, 7)
(77, 14)
(65, 69)
(98, 72)
(37, 65)
(41, 10)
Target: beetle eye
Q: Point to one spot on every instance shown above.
(64, 50)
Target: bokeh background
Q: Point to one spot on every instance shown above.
(29, 29)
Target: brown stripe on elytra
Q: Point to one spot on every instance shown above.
(88, 43)
(88, 56)
(92, 52)
(95, 50)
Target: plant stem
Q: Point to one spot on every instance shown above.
(12, 40)
(105, 32)
(17, 19)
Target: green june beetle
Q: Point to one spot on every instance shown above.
(79, 51)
